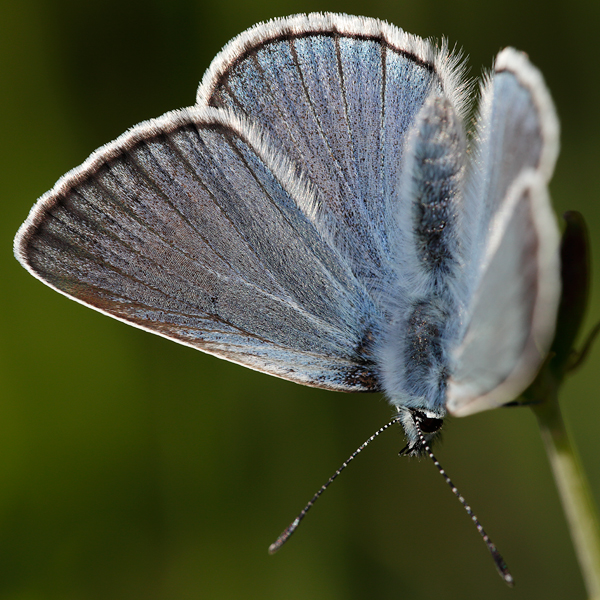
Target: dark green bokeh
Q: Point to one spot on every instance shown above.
(131, 467)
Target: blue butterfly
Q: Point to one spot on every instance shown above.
(321, 214)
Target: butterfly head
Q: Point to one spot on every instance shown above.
(422, 427)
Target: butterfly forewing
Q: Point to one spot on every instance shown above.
(183, 228)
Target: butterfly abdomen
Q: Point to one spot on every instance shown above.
(415, 353)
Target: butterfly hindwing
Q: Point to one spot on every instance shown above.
(340, 95)
(517, 129)
(512, 274)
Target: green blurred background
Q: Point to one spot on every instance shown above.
(131, 467)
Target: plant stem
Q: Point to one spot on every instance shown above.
(574, 491)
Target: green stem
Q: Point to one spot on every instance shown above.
(574, 492)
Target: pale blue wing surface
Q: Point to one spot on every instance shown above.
(342, 95)
(190, 227)
(513, 268)
(517, 129)
(272, 238)
(514, 309)
(339, 94)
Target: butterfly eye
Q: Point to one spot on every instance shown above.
(428, 424)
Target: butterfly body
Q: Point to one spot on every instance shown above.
(321, 215)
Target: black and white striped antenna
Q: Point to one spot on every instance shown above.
(496, 556)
